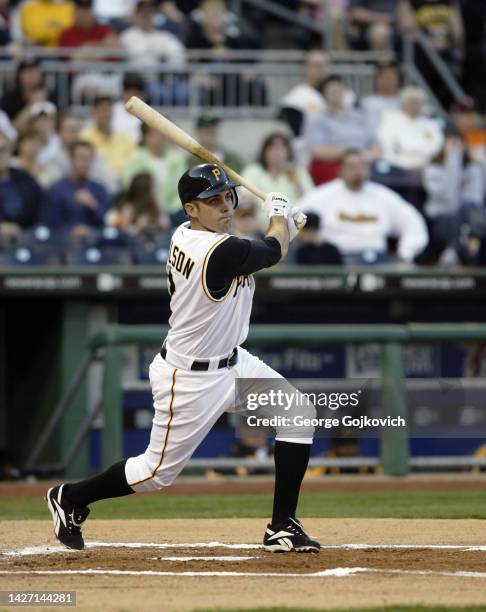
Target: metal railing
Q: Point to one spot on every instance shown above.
(237, 84)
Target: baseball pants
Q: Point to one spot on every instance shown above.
(187, 404)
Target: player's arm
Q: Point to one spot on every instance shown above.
(240, 256)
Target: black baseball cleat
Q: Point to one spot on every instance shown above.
(289, 536)
(67, 518)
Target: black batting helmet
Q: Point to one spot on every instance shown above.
(204, 181)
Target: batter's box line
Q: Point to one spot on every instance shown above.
(46, 550)
(339, 572)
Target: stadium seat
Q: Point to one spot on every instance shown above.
(151, 256)
(23, 256)
(92, 256)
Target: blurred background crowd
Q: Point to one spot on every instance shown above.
(392, 173)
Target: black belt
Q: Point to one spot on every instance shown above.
(202, 365)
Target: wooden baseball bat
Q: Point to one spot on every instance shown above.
(157, 121)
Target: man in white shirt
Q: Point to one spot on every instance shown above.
(408, 139)
(147, 45)
(359, 215)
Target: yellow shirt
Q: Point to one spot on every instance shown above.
(115, 149)
(42, 21)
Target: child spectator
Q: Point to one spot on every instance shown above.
(163, 163)
(311, 251)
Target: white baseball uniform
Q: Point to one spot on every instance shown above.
(206, 326)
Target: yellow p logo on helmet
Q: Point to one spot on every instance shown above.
(217, 173)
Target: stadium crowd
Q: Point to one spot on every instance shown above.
(381, 178)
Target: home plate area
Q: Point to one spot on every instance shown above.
(217, 559)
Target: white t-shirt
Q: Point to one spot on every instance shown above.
(409, 143)
(150, 47)
(355, 221)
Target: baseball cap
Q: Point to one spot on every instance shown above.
(83, 3)
(43, 107)
(207, 120)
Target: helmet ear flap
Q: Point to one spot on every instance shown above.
(235, 197)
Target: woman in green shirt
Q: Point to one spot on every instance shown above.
(275, 170)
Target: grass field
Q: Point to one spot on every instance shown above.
(386, 504)
(409, 544)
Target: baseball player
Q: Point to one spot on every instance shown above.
(193, 377)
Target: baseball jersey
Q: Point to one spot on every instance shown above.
(211, 286)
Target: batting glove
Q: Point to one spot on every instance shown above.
(277, 205)
(295, 221)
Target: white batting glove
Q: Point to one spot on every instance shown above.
(295, 221)
(277, 205)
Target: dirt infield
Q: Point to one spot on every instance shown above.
(188, 564)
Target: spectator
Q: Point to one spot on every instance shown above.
(146, 45)
(213, 28)
(441, 22)
(123, 121)
(113, 147)
(274, 170)
(163, 163)
(453, 183)
(137, 211)
(358, 215)
(115, 12)
(172, 19)
(372, 24)
(29, 145)
(305, 99)
(409, 140)
(76, 202)
(42, 21)
(208, 134)
(470, 124)
(43, 121)
(385, 97)
(28, 89)
(87, 34)
(21, 197)
(333, 131)
(311, 251)
(59, 161)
